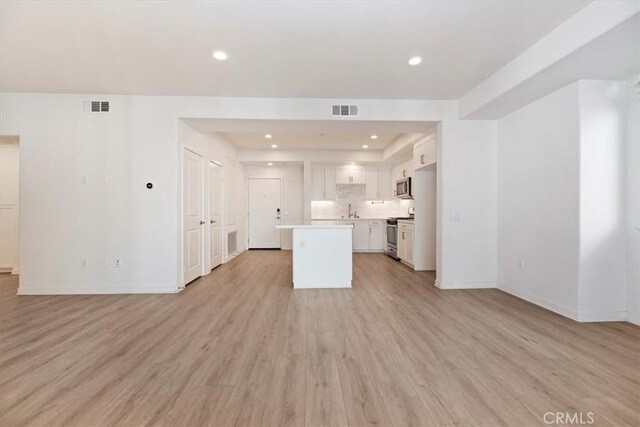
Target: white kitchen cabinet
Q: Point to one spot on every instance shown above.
(377, 233)
(424, 153)
(317, 183)
(405, 242)
(378, 185)
(384, 183)
(400, 171)
(329, 183)
(323, 183)
(360, 235)
(351, 176)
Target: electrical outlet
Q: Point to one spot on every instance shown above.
(117, 262)
(85, 262)
(521, 264)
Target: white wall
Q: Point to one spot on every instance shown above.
(538, 201)
(115, 215)
(291, 177)
(467, 185)
(633, 200)
(603, 285)
(9, 205)
(562, 202)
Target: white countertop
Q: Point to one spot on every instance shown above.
(348, 219)
(315, 226)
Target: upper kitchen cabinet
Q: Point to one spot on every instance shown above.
(351, 176)
(323, 183)
(378, 183)
(424, 153)
(400, 171)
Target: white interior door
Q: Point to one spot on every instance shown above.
(264, 213)
(192, 215)
(215, 213)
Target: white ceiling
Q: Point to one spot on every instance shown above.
(309, 134)
(320, 49)
(310, 141)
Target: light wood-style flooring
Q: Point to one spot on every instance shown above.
(241, 347)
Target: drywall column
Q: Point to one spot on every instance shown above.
(633, 200)
(307, 176)
(603, 288)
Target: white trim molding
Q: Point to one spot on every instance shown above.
(466, 285)
(603, 316)
(78, 290)
(564, 311)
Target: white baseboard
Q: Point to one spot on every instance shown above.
(312, 286)
(465, 285)
(15, 271)
(72, 290)
(603, 316)
(233, 255)
(564, 311)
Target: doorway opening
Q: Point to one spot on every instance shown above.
(9, 205)
(264, 213)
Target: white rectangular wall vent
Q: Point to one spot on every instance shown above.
(95, 106)
(344, 110)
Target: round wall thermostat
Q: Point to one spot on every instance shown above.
(149, 185)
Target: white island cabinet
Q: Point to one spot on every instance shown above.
(322, 255)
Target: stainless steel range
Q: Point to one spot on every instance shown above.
(392, 236)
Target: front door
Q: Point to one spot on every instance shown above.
(264, 213)
(192, 215)
(215, 213)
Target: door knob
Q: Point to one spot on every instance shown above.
(213, 222)
(201, 222)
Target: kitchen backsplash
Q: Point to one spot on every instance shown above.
(322, 209)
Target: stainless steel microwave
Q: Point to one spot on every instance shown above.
(403, 188)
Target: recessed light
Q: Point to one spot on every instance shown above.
(268, 136)
(374, 136)
(415, 60)
(220, 55)
(274, 145)
(365, 146)
(353, 163)
(269, 164)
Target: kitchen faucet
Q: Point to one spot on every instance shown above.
(354, 214)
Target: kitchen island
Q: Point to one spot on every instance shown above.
(322, 255)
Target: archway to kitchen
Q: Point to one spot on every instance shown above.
(331, 165)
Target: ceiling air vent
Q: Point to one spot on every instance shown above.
(344, 110)
(95, 106)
